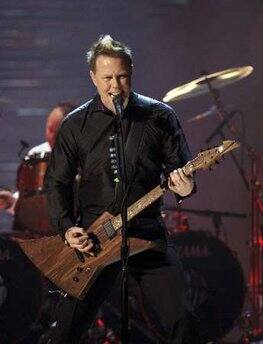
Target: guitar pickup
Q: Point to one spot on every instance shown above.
(109, 229)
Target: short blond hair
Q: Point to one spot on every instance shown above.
(106, 45)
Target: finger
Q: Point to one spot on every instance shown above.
(77, 240)
(76, 234)
(80, 246)
(183, 177)
(87, 249)
(74, 231)
(175, 177)
(77, 231)
(80, 236)
(174, 187)
(173, 184)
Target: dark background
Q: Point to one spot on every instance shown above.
(42, 62)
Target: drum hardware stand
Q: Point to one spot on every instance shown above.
(225, 117)
(216, 217)
(220, 229)
(255, 186)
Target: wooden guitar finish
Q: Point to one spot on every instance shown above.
(61, 264)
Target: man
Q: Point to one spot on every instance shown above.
(154, 144)
(54, 119)
(11, 202)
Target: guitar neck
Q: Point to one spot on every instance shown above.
(204, 160)
(145, 201)
(139, 206)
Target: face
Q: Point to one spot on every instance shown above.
(53, 122)
(112, 76)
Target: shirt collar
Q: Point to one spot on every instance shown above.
(97, 105)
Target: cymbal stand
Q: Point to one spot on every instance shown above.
(255, 186)
(220, 229)
(215, 94)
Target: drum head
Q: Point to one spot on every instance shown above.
(216, 281)
(20, 292)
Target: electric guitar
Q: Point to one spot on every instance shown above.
(74, 274)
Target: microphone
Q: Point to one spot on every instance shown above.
(118, 104)
(211, 111)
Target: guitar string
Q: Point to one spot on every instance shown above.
(101, 233)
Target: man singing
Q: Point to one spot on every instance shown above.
(154, 145)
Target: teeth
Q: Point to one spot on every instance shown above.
(114, 95)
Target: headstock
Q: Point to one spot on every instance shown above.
(209, 157)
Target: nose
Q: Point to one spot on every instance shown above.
(115, 83)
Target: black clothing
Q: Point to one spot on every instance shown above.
(83, 143)
(155, 143)
(159, 292)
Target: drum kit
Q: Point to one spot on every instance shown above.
(217, 285)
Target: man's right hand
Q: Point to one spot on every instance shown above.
(77, 237)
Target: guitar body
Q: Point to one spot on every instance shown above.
(61, 265)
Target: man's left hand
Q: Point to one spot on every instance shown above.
(179, 183)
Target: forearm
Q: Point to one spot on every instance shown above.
(60, 200)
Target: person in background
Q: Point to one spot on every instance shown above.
(8, 199)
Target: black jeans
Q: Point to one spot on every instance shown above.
(160, 281)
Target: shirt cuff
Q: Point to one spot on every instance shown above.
(64, 224)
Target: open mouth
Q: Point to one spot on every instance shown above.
(114, 94)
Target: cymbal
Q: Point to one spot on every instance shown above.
(199, 86)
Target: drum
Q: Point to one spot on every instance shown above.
(31, 173)
(31, 215)
(31, 212)
(20, 292)
(216, 281)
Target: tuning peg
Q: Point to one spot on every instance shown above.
(217, 162)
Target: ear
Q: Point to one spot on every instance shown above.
(93, 77)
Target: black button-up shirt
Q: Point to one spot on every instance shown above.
(83, 144)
